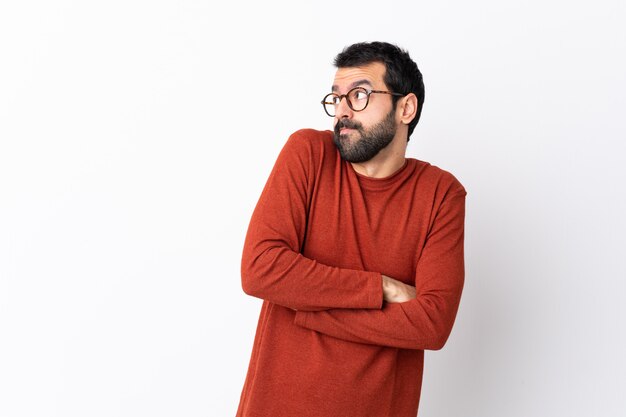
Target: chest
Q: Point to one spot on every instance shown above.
(382, 230)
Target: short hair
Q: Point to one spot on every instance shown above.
(401, 72)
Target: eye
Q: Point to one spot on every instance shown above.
(360, 95)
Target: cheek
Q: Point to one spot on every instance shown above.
(367, 122)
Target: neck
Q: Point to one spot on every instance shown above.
(386, 162)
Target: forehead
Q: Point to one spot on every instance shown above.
(349, 77)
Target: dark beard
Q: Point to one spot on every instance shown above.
(372, 140)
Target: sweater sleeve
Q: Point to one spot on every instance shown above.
(424, 322)
(272, 266)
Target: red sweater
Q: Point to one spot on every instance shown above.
(319, 239)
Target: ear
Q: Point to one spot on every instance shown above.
(407, 108)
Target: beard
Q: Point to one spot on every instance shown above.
(370, 142)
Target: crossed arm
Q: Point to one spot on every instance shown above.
(353, 305)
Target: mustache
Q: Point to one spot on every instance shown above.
(349, 124)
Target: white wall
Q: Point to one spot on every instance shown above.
(135, 138)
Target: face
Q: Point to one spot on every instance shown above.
(360, 136)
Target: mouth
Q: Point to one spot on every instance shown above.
(344, 127)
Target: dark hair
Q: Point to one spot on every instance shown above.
(401, 75)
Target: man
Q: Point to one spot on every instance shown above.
(357, 252)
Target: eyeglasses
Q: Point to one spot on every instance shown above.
(357, 98)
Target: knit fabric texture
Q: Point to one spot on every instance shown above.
(319, 239)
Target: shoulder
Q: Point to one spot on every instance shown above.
(309, 139)
(443, 182)
(309, 144)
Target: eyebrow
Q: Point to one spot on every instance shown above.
(354, 84)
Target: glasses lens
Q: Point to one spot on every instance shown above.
(358, 98)
(329, 103)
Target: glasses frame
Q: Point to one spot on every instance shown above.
(341, 96)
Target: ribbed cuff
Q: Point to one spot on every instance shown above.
(300, 318)
(375, 290)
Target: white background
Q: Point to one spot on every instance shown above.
(135, 138)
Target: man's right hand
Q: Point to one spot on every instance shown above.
(395, 291)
